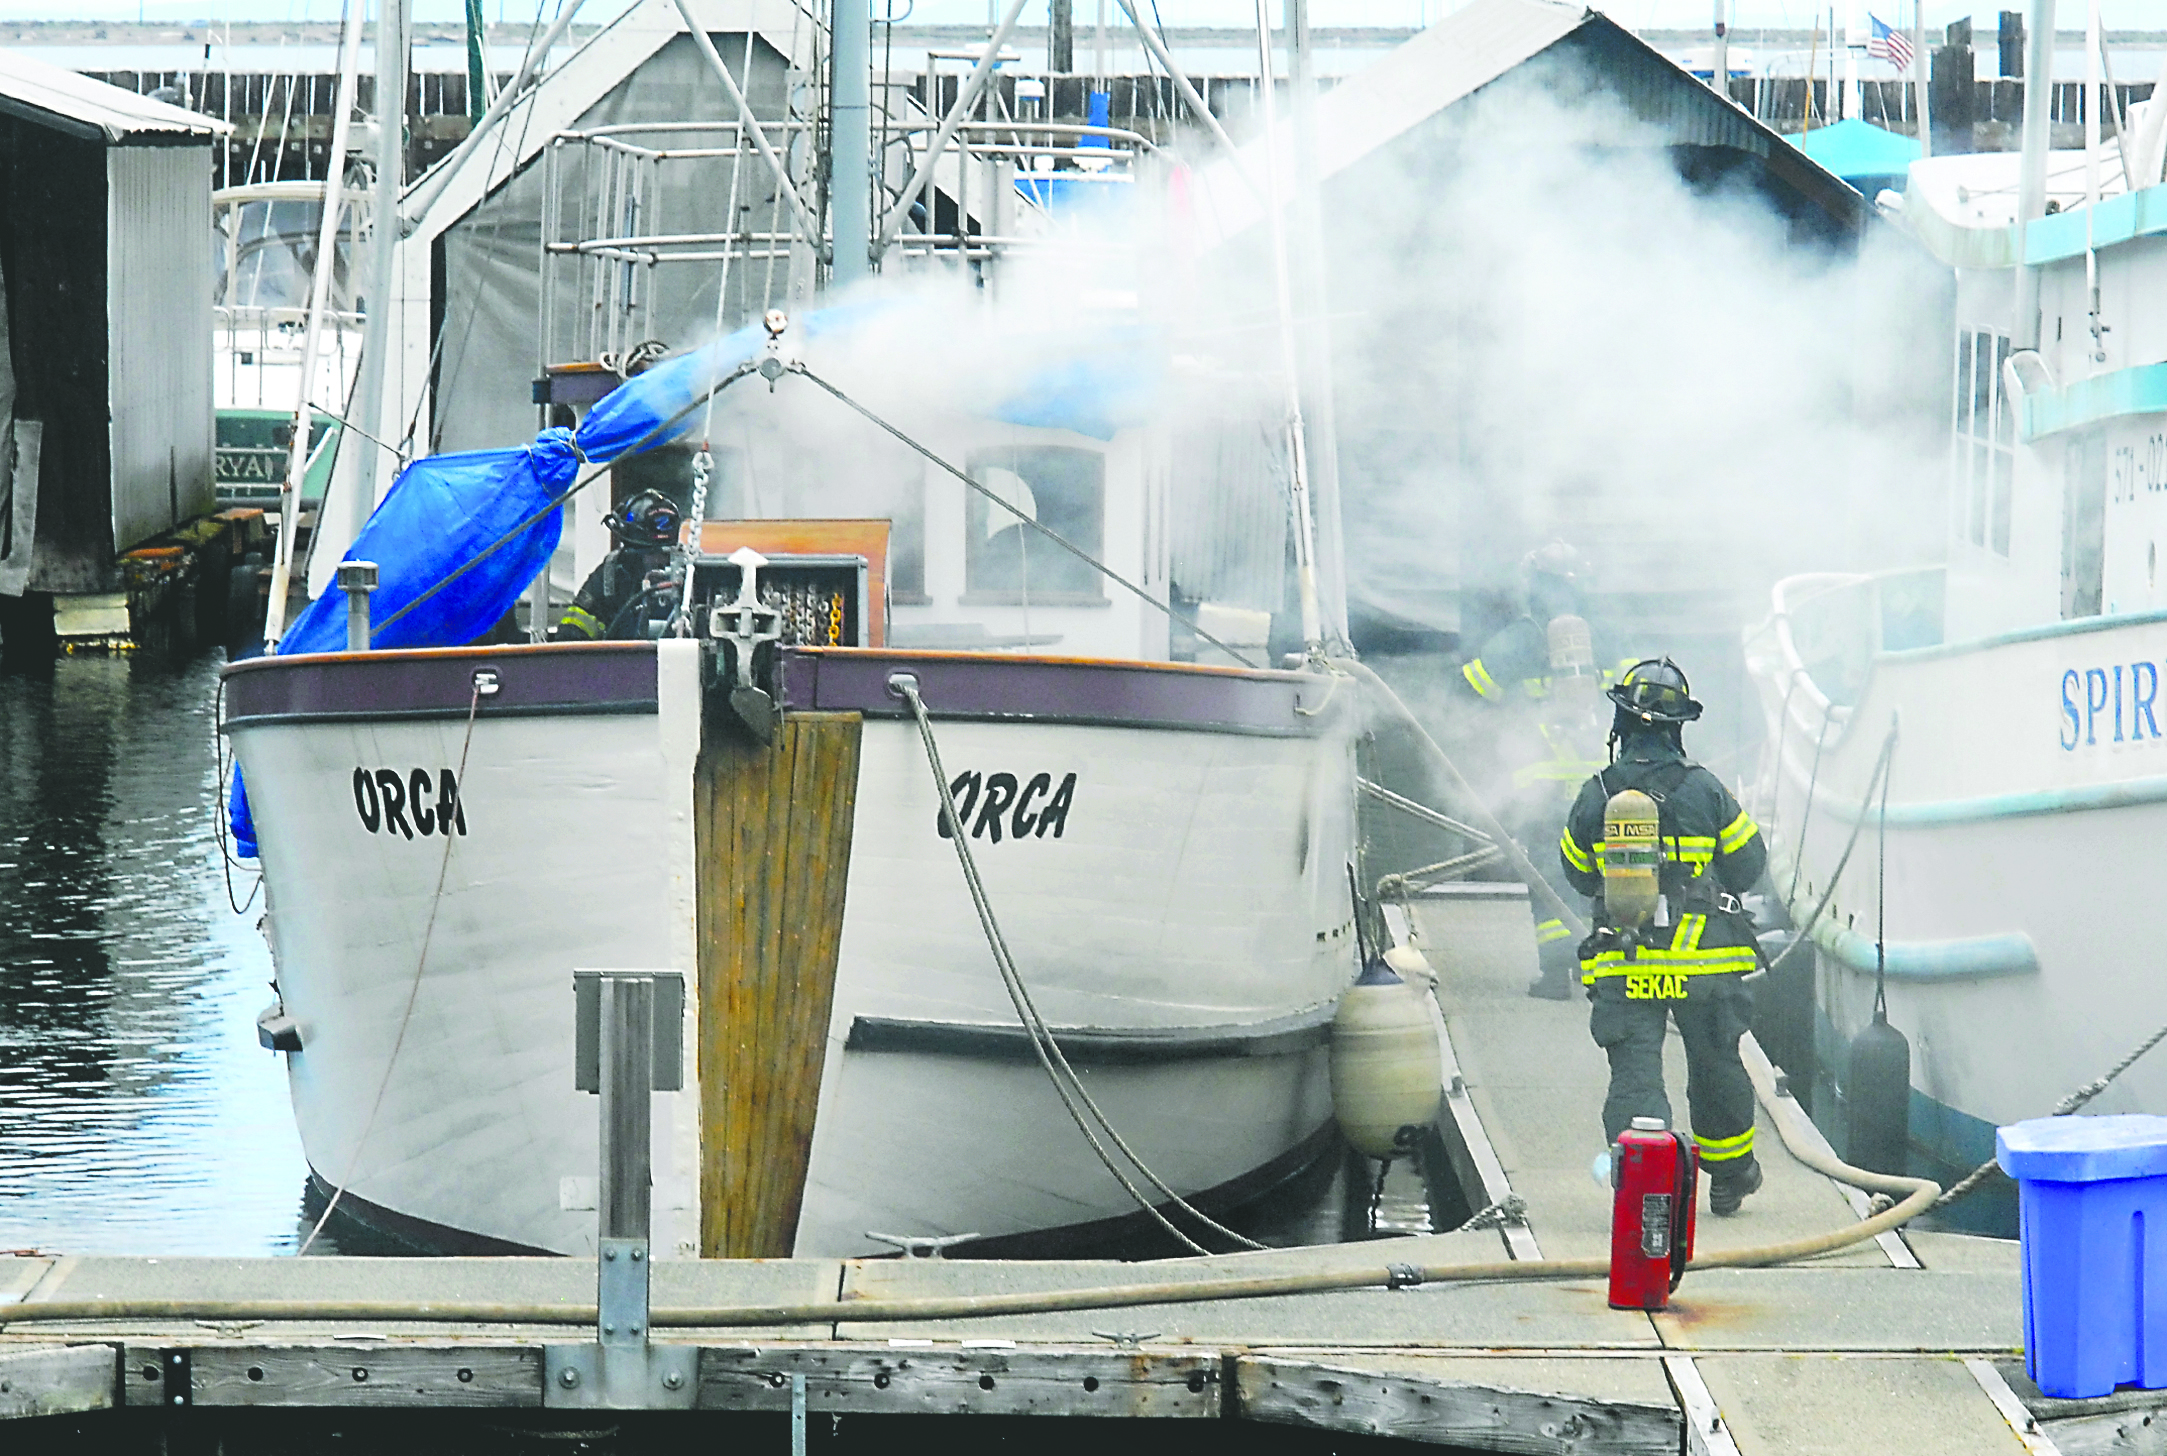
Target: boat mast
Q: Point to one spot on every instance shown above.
(850, 129)
(1305, 531)
(383, 257)
(2096, 355)
(2032, 170)
(1316, 338)
(327, 240)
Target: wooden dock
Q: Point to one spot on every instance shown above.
(1909, 1343)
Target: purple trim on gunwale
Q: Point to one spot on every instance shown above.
(1057, 689)
(599, 677)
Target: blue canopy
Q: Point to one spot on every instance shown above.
(1853, 149)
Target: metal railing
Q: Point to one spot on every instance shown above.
(616, 204)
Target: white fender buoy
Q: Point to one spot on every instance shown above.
(1387, 1067)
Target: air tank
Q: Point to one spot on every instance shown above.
(1387, 1067)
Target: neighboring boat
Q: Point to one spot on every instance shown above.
(2020, 681)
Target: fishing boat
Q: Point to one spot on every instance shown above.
(744, 790)
(1991, 724)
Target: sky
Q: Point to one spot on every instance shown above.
(1637, 14)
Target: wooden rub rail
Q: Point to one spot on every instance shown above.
(864, 1379)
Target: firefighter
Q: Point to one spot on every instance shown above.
(645, 529)
(1684, 954)
(1539, 671)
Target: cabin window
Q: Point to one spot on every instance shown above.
(1061, 488)
(1984, 441)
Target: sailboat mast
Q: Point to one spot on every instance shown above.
(1305, 530)
(2032, 168)
(1320, 404)
(327, 242)
(850, 188)
(383, 255)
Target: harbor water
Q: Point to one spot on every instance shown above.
(137, 1112)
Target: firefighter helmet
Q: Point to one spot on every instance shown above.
(648, 518)
(1654, 691)
(1558, 559)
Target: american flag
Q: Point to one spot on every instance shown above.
(1889, 45)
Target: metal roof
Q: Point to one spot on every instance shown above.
(65, 101)
(1480, 44)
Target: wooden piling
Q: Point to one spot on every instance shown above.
(772, 832)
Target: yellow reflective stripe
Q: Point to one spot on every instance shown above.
(1478, 677)
(1724, 1150)
(1692, 841)
(1555, 770)
(1689, 932)
(582, 621)
(1574, 854)
(1712, 961)
(1737, 832)
(1550, 930)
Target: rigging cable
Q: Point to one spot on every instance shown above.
(1071, 1091)
(413, 992)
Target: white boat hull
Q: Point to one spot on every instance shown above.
(1184, 902)
(2027, 797)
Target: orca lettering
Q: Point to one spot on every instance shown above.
(417, 785)
(995, 807)
(417, 802)
(365, 801)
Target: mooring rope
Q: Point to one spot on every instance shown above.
(2073, 1103)
(1043, 1042)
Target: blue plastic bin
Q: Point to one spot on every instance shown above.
(2092, 1218)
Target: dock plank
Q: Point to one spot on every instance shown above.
(958, 1380)
(58, 1380)
(1822, 1309)
(1543, 1407)
(19, 1274)
(400, 1376)
(1855, 1405)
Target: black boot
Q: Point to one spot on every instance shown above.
(1559, 961)
(1728, 1189)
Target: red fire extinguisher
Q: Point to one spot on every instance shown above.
(1656, 1175)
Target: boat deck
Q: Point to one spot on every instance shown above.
(1907, 1344)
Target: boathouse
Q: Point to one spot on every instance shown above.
(105, 337)
(1524, 349)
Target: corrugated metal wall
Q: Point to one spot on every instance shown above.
(158, 306)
